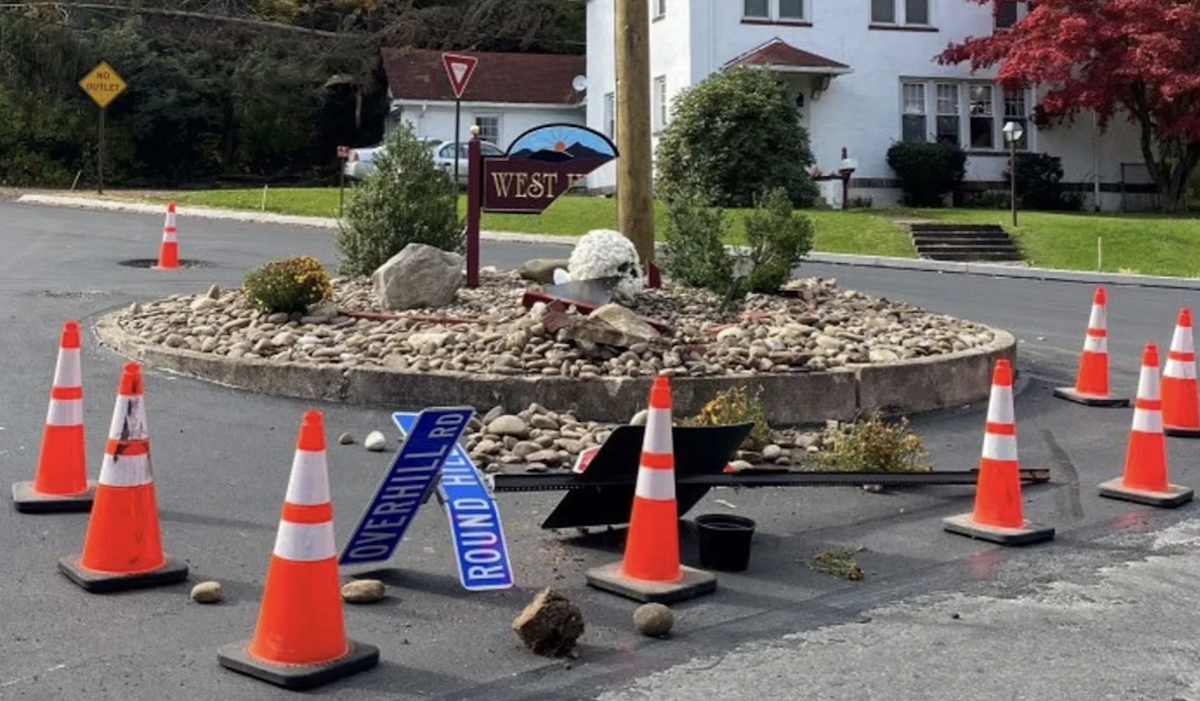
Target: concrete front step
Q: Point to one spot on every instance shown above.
(974, 256)
(959, 239)
(963, 242)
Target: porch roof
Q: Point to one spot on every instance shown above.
(781, 56)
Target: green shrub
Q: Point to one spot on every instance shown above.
(1039, 183)
(407, 200)
(874, 444)
(731, 136)
(736, 406)
(288, 285)
(927, 171)
(694, 252)
(778, 239)
(988, 199)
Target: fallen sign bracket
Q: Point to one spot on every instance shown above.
(765, 478)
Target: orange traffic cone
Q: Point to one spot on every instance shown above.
(999, 515)
(60, 481)
(123, 549)
(168, 250)
(650, 570)
(1091, 382)
(1145, 478)
(1180, 395)
(300, 640)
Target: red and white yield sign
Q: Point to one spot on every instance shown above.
(459, 68)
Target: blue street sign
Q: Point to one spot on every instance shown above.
(474, 520)
(405, 486)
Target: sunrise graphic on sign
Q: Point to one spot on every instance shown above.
(561, 143)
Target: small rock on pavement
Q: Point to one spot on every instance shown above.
(550, 625)
(375, 441)
(207, 593)
(363, 591)
(346, 438)
(653, 620)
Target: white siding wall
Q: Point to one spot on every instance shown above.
(436, 120)
(602, 81)
(860, 111)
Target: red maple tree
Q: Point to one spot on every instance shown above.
(1133, 59)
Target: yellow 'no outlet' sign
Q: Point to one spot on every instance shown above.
(103, 84)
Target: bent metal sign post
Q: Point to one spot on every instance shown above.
(540, 166)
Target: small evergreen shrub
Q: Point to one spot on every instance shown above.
(1039, 183)
(288, 285)
(694, 253)
(778, 239)
(407, 200)
(927, 171)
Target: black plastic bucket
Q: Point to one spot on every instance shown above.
(725, 541)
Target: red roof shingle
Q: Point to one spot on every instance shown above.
(778, 52)
(418, 74)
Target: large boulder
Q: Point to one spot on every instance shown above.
(418, 276)
(541, 270)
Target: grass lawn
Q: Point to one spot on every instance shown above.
(859, 231)
(1147, 244)
(1133, 243)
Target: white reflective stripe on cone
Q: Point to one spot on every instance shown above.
(1148, 384)
(1182, 342)
(309, 483)
(656, 484)
(67, 369)
(1096, 344)
(658, 438)
(997, 447)
(1179, 370)
(129, 410)
(168, 237)
(1147, 421)
(126, 470)
(65, 412)
(1099, 317)
(305, 542)
(1000, 406)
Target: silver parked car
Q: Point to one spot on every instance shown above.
(360, 162)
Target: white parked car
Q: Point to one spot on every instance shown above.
(360, 162)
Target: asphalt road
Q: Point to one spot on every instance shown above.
(222, 457)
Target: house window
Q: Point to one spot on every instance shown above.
(489, 127)
(966, 113)
(1012, 11)
(610, 115)
(982, 117)
(660, 8)
(660, 103)
(791, 10)
(916, 11)
(1015, 111)
(756, 9)
(949, 126)
(883, 11)
(913, 120)
(888, 12)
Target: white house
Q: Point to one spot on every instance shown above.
(508, 94)
(864, 76)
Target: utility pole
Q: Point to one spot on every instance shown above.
(635, 175)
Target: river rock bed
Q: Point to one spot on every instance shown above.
(537, 439)
(487, 330)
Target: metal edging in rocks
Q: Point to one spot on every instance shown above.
(792, 399)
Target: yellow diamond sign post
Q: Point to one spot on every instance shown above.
(103, 85)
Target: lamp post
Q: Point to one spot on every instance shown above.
(1012, 134)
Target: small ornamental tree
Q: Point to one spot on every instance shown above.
(1138, 57)
(733, 136)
